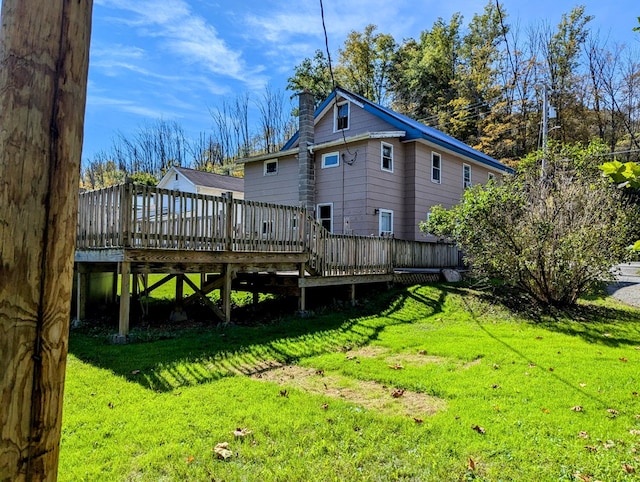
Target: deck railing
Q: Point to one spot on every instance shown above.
(136, 216)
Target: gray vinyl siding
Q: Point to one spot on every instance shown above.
(449, 192)
(387, 189)
(360, 121)
(281, 188)
(344, 186)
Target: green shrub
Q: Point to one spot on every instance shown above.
(551, 235)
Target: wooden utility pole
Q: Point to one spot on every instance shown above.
(44, 58)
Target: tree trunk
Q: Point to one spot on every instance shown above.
(44, 57)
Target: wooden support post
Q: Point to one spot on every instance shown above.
(225, 293)
(203, 280)
(352, 294)
(125, 300)
(256, 296)
(44, 58)
(302, 299)
(228, 243)
(179, 288)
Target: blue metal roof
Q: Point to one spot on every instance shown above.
(414, 129)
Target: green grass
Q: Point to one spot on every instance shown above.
(516, 379)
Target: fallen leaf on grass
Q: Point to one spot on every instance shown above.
(397, 366)
(628, 469)
(582, 477)
(495, 386)
(111, 405)
(634, 432)
(545, 410)
(583, 434)
(531, 365)
(222, 451)
(635, 394)
(135, 372)
(422, 352)
(623, 359)
(320, 372)
(479, 429)
(613, 412)
(325, 406)
(284, 393)
(591, 448)
(241, 432)
(496, 366)
(417, 420)
(190, 459)
(550, 369)
(609, 444)
(577, 408)
(397, 392)
(471, 465)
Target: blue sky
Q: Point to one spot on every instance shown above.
(177, 59)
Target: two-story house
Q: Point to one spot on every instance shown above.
(363, 169)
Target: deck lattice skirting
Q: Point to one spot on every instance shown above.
(143, 229)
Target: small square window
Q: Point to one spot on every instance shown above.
(331, 159)
(342, 117)
(270, 167)
(387, 157)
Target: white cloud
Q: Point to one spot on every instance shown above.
(184, 34)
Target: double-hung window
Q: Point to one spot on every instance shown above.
(466, 176)
(386, 151)
(325, 216)
(386, 222)
(436, 168)
(341, 117)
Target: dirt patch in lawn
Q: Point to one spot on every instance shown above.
(419, 358)
(370, 395)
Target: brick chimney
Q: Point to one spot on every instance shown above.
(306, 176)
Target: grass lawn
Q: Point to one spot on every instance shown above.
(429, 383)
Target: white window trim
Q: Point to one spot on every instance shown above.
(335, 115)
(437, 181)
(465, 183)
(264, 167)
(324, 157)
(381, 212)
(319, 219)
(382, 146)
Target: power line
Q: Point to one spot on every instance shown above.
(333, 81)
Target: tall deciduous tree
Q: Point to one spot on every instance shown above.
(366, 62)
(422, 81)
(44, 58)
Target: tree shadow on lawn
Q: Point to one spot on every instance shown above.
(206, 353)
(612, 324)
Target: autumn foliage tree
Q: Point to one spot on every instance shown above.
(551, 234)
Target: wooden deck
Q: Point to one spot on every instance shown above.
(134, 229)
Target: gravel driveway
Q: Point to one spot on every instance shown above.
(627, 286)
